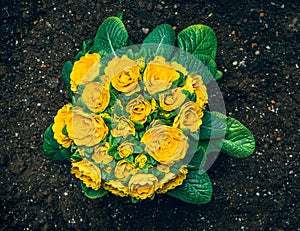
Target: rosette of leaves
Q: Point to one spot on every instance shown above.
(109, 158)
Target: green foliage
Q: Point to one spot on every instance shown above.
(86, 46)
(52, 149)
(161, 40)
(66, 72)
(228, 133)
(197, 159)
(198, 40)
(111, 36)
(239, 141)
(91, 193)
(196, 189)
(213, 125)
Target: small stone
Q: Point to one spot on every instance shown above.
(145, 30)
(257, 52)
(235, 63)
(278, 139)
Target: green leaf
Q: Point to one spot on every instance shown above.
(129, 159)
(218, 75)
(161, 41)
(138, 126)
(76, 156)
(198, 40)
(162, 34)
(86, 46)
(111, 36)
(138, 148)
(213, 125)
(239, 141)
(66, 72)
(91, 193)
(196, 189)
(197, 159)
(52, 149)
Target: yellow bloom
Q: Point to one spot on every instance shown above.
(59, 124)
(163, 168)
(125, 149)
(194, 84)
(116, 187)
(96, 97)
(142, 186)
(124, 73)
(159, 75)
(140, 160)
(124, 127)
(171, 180)
(100, 154)
(189, 117)
(84, 70)
(139, 109)
(86, 129)
(165, 144)
(88, 172)
(172, 100)
(123, 169)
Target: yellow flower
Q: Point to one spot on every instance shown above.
(142, 186)
(163, 168)
(123, 169)
(124, 127)
(140, 160)
(59, 124)
(88, 172)
(116, 187)
(189, 117)
(124, 73)
(165, 144)
(86, 129)
(171, 180)
(139, 109)
(84, 70)
(100, 154)
(171, 101)
(194, 84)
(96, 97)
(125, 149)
(159, 75)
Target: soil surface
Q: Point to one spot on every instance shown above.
(259, 55)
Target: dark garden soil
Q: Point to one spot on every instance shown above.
(259, 55)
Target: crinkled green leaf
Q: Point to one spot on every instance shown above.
(197, 159)
(111, 36)
(52, 149)
(66, 72)
(91, 193)
(198, 40)
(162, 34)
(213, 125)
(196, 189)
(230, 134)
(157, 40)
(239, 141)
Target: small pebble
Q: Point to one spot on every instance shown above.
(235, 63)
(257, 52)
(278, 139)
(145, 30)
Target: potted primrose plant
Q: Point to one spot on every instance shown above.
(140, 121)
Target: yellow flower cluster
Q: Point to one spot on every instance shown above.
(130, 120)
